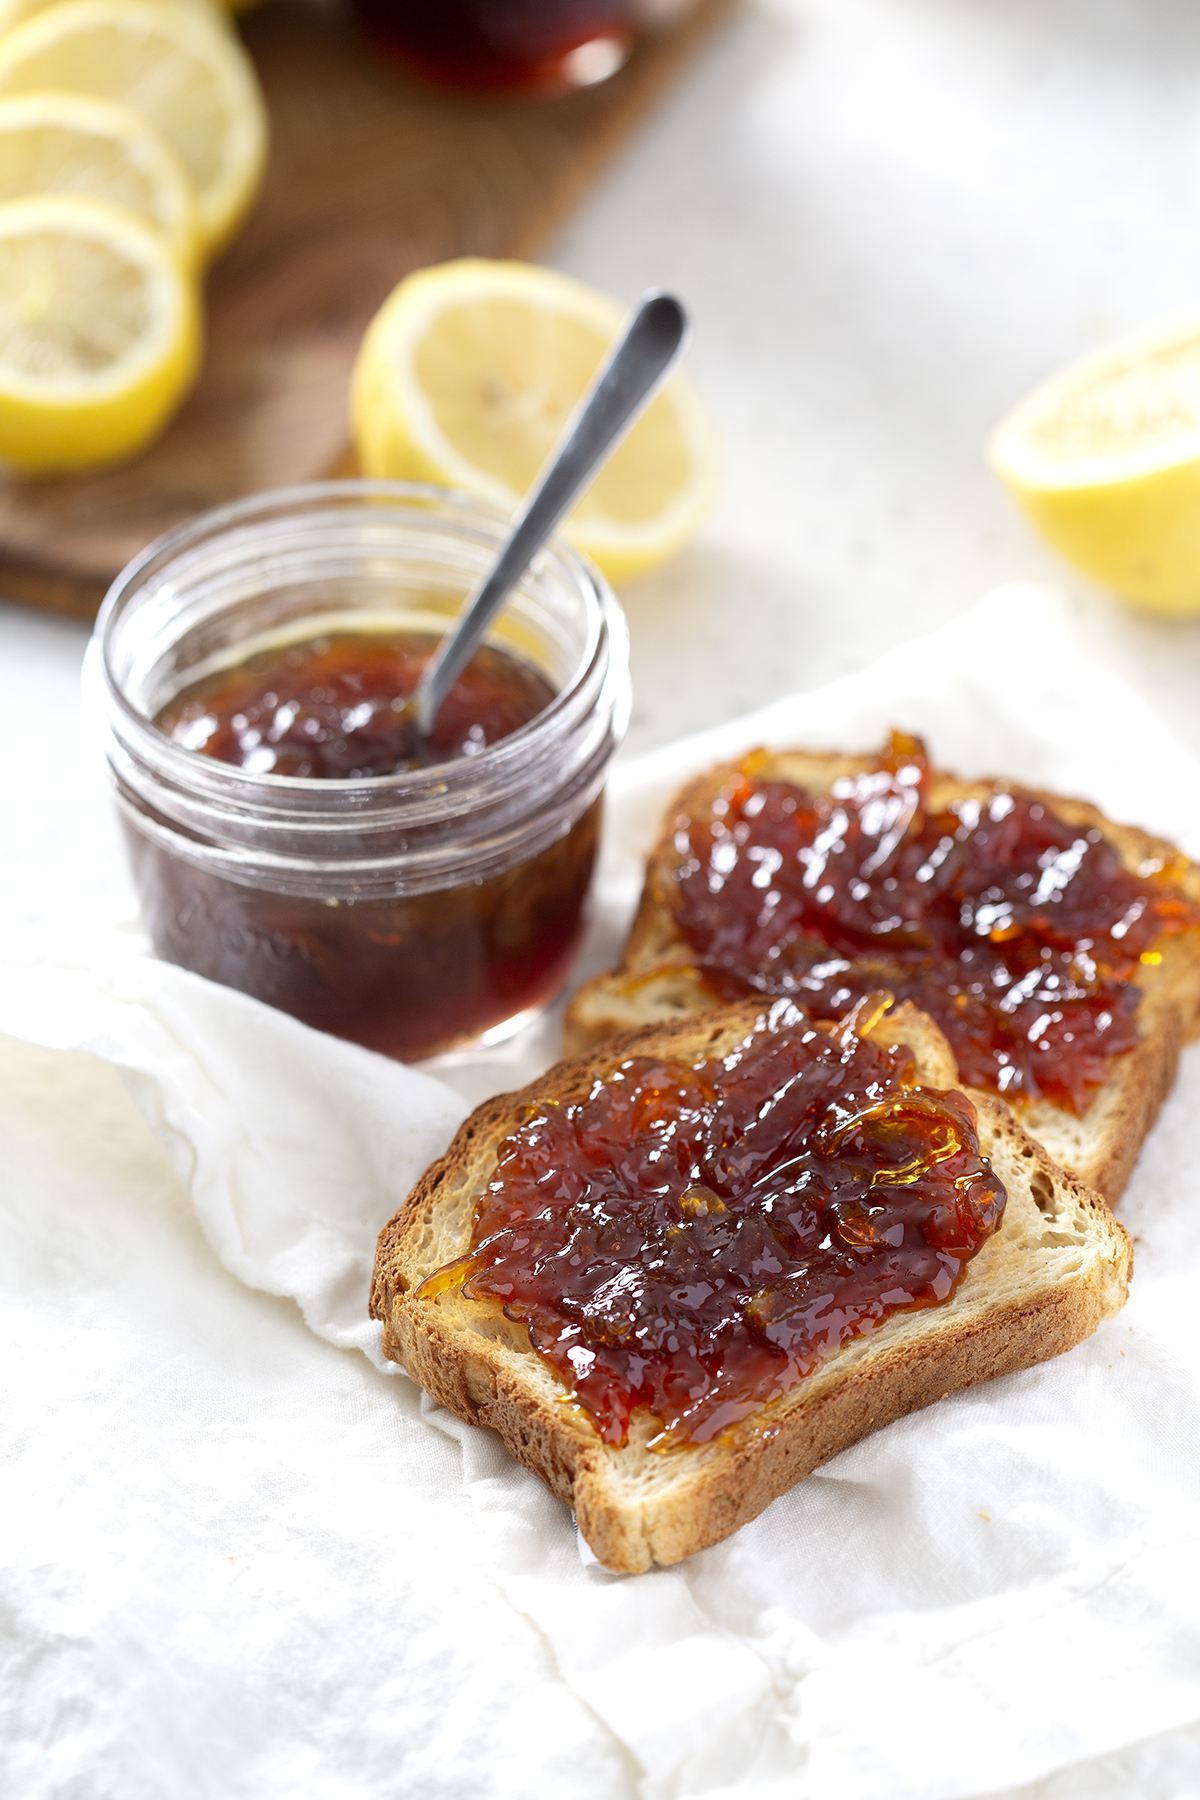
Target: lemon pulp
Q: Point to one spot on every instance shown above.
(99, 334)
(182, 72)
(64, 143)
(467, 376)
(1105, 458)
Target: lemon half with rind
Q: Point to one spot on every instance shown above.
(68, 144)
(99, 334)
(186, 75)
(1105, 458)
(466, 377)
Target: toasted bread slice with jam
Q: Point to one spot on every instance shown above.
(657, 982)
(1057, 1264)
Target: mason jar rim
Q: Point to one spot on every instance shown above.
(227, 781)
(410, 832)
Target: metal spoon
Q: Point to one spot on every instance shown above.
(624, 384)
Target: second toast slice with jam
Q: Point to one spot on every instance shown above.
(1059, 951)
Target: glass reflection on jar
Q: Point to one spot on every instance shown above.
(282, 839)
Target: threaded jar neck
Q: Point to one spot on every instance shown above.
(370, 556)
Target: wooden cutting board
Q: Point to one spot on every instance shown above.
(370, 176)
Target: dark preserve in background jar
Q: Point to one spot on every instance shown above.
(254, 666)
(531, 45)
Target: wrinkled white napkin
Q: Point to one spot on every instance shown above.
(242, 1563)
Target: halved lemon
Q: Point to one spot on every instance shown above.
(66, 144)
(466, 376)
(185, 74)
(99, 334)
(1106, 460)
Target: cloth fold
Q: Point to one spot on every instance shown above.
(288, 1141)
(1000, 1588)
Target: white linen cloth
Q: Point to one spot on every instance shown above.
(242, 1561)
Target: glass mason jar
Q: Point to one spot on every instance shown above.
(414, 912)
(514, 46)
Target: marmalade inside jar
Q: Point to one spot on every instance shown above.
(408, 975)
(1018, 933)
(693, 1238)
(333, 707)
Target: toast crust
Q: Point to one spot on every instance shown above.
(1057, 1265)
(657, 982)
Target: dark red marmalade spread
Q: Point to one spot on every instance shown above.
(407, 974)
(693, 1239)
(1018, 933)
(333, 707)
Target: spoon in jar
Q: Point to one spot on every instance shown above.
(625, 383)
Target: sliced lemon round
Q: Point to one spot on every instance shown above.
(15, 12)
(99, 333)
(66, 144)
(186, 75)
(1106, 460)
(466, 377)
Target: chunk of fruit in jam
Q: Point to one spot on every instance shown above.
(694, 1238)
(1018, 933)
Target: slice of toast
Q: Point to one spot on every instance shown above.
(1056, 1266)
(657, 982)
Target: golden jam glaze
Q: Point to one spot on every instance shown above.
(695, 1238)
(1018, 933)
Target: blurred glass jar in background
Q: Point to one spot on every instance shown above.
(515, 46)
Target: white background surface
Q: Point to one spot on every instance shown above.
(889, 217)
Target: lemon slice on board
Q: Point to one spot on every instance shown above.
(469, 371)
(15, 12)
(66, 144)
(99, 334)
(1105, 458)
(184, 73)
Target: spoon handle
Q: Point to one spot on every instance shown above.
(624, 383)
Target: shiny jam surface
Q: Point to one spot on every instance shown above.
(1019, 934)
(693, 1239)
(410, 976)
(333, 707)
